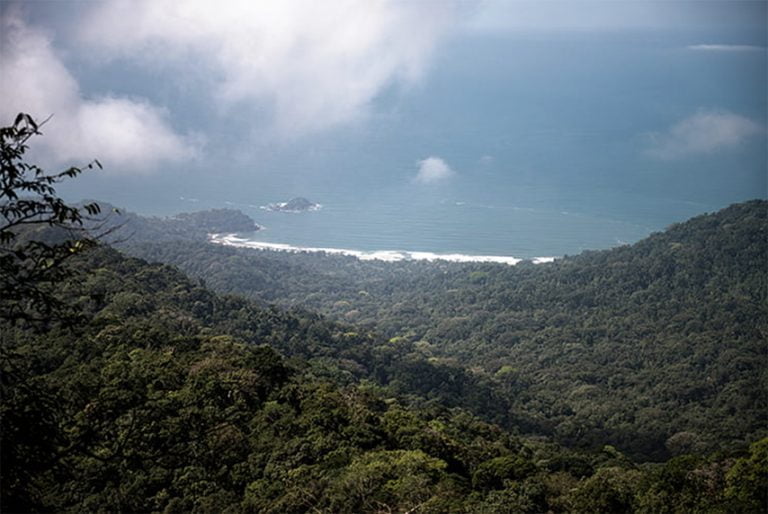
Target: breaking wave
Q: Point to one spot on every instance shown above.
(380, 255)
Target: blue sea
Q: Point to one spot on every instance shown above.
(549, 139)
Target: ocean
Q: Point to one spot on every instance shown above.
(447, 226)
(552, 145)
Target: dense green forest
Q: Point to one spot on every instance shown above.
(129, 387)
(658, 348)
(169, 398)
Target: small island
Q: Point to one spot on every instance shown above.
(298, 204)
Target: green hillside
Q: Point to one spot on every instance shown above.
(151, 404)
(127, 387)
(658, 348)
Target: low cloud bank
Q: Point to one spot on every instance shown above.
(703, 133)
(125, 134)
(307, 65)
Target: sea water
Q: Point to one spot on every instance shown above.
(446, 227)
(549, 139)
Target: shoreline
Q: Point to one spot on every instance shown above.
(380, 255)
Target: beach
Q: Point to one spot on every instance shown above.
(380, 255)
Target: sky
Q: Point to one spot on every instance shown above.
(378, 93)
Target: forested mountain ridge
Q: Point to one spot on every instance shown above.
(657, 347)
(165, 399)
(150, 405)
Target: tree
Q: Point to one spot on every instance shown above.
(747, 480)
(30, 267)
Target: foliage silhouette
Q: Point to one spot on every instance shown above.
(30, 267)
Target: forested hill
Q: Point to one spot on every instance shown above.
(164, 398)
(125, 226)
(658, 347)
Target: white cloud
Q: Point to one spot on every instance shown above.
(726, 48)
(124, 134)
(432, 169)
(703, 133)
(311, 65)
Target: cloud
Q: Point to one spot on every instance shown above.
(703, 133)
(592, 15)
(432, 169)
(308, 65)
(726, 48)
(125, 134)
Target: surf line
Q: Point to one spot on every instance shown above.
(380, 255)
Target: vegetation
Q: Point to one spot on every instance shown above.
(162, 396)
(30, 267)
(656, 348)
(187, 226)
(154, 405)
